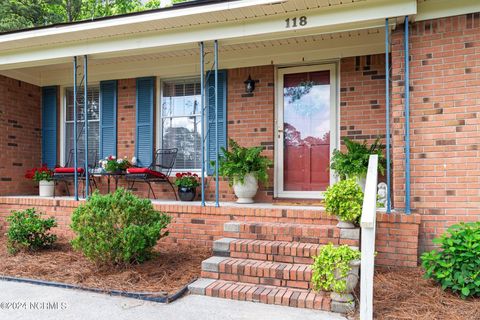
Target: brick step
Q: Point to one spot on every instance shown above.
(278, 251)
(291, 232)
(262, 293)
(292, 275)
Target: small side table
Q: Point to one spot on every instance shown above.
(115, 175)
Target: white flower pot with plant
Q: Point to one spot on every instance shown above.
(354, 162)
(244, 168)
(44, 177)
(344, 200)
(336, 269)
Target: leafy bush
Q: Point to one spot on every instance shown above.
(457, 265)
(28, 230)
(117, 228)
(240, 161)
(354, 163)
(344, 199)
(331, 267)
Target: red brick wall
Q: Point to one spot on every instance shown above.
(396, 234)
(362, 98)
(20, 135)
(445, 112)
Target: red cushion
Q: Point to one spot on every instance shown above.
(68, 170)
(145, 171)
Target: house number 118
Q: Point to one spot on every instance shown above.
(295, 22)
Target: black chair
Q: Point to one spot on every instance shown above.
(67, 173)
(158, 172)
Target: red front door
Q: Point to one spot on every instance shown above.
(306, 118)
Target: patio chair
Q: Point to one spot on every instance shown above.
(67, 173)
(158, 172)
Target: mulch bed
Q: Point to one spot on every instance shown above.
(403, 293)
(172, 267)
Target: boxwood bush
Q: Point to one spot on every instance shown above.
(456, 266)
(117, 228)
(29, 231)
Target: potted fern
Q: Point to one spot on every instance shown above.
(244, 168)
(354, 162)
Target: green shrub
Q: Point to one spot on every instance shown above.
(457, 265)
(28, 230)
(117, 228)
(354, 162)
(344, 199)
(329, 259)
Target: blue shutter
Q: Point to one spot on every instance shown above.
(144, 132)
(222, 116)
(49, 126)
(108, 118)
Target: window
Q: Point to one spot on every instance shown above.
(181, 125)
(93, 125)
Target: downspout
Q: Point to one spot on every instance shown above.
(75, 147)
(407, 119)
(217, 204)
(202, 106)
(387, 103)
(85, 118)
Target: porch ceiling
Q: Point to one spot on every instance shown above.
(185, 62)
(232, 22)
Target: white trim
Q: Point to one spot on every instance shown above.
(278, 130)
(353, 16)
(429, 9)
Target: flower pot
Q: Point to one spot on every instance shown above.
(247, 190)
(187, 194)
(361, 182)
(344, 224)
(46, 188)
(352, 276)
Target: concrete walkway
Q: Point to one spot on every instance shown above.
(26, 301)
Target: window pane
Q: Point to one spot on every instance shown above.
(184, 134)
(93, 126)
(93, 104)
(181, 127)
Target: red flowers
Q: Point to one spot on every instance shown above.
(39, 174)
(186, 180)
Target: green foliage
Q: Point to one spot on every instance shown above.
(457, 265)
(28, 230)
(117, 228)
(21, 14)
(354, 163)
(344, 199)
(186, 180)
(237, 162)
(331, 267)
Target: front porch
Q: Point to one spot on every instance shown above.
(397, 233)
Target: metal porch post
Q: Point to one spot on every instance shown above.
(407, 119)
(75, 147)
(217, 204)
(387, 103)
(202, 107)
(85, 118)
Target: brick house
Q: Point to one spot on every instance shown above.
(337, 48)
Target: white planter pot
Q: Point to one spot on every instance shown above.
(247, 190)
(45, 188)
(352, 277)
(344, 224)
(361, 182)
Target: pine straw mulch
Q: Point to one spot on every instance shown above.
(403, 293)
(172, 267)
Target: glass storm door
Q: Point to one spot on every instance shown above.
(306, 123)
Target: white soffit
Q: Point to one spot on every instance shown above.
(262, 22)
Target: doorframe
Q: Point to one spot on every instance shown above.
(279, 191)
